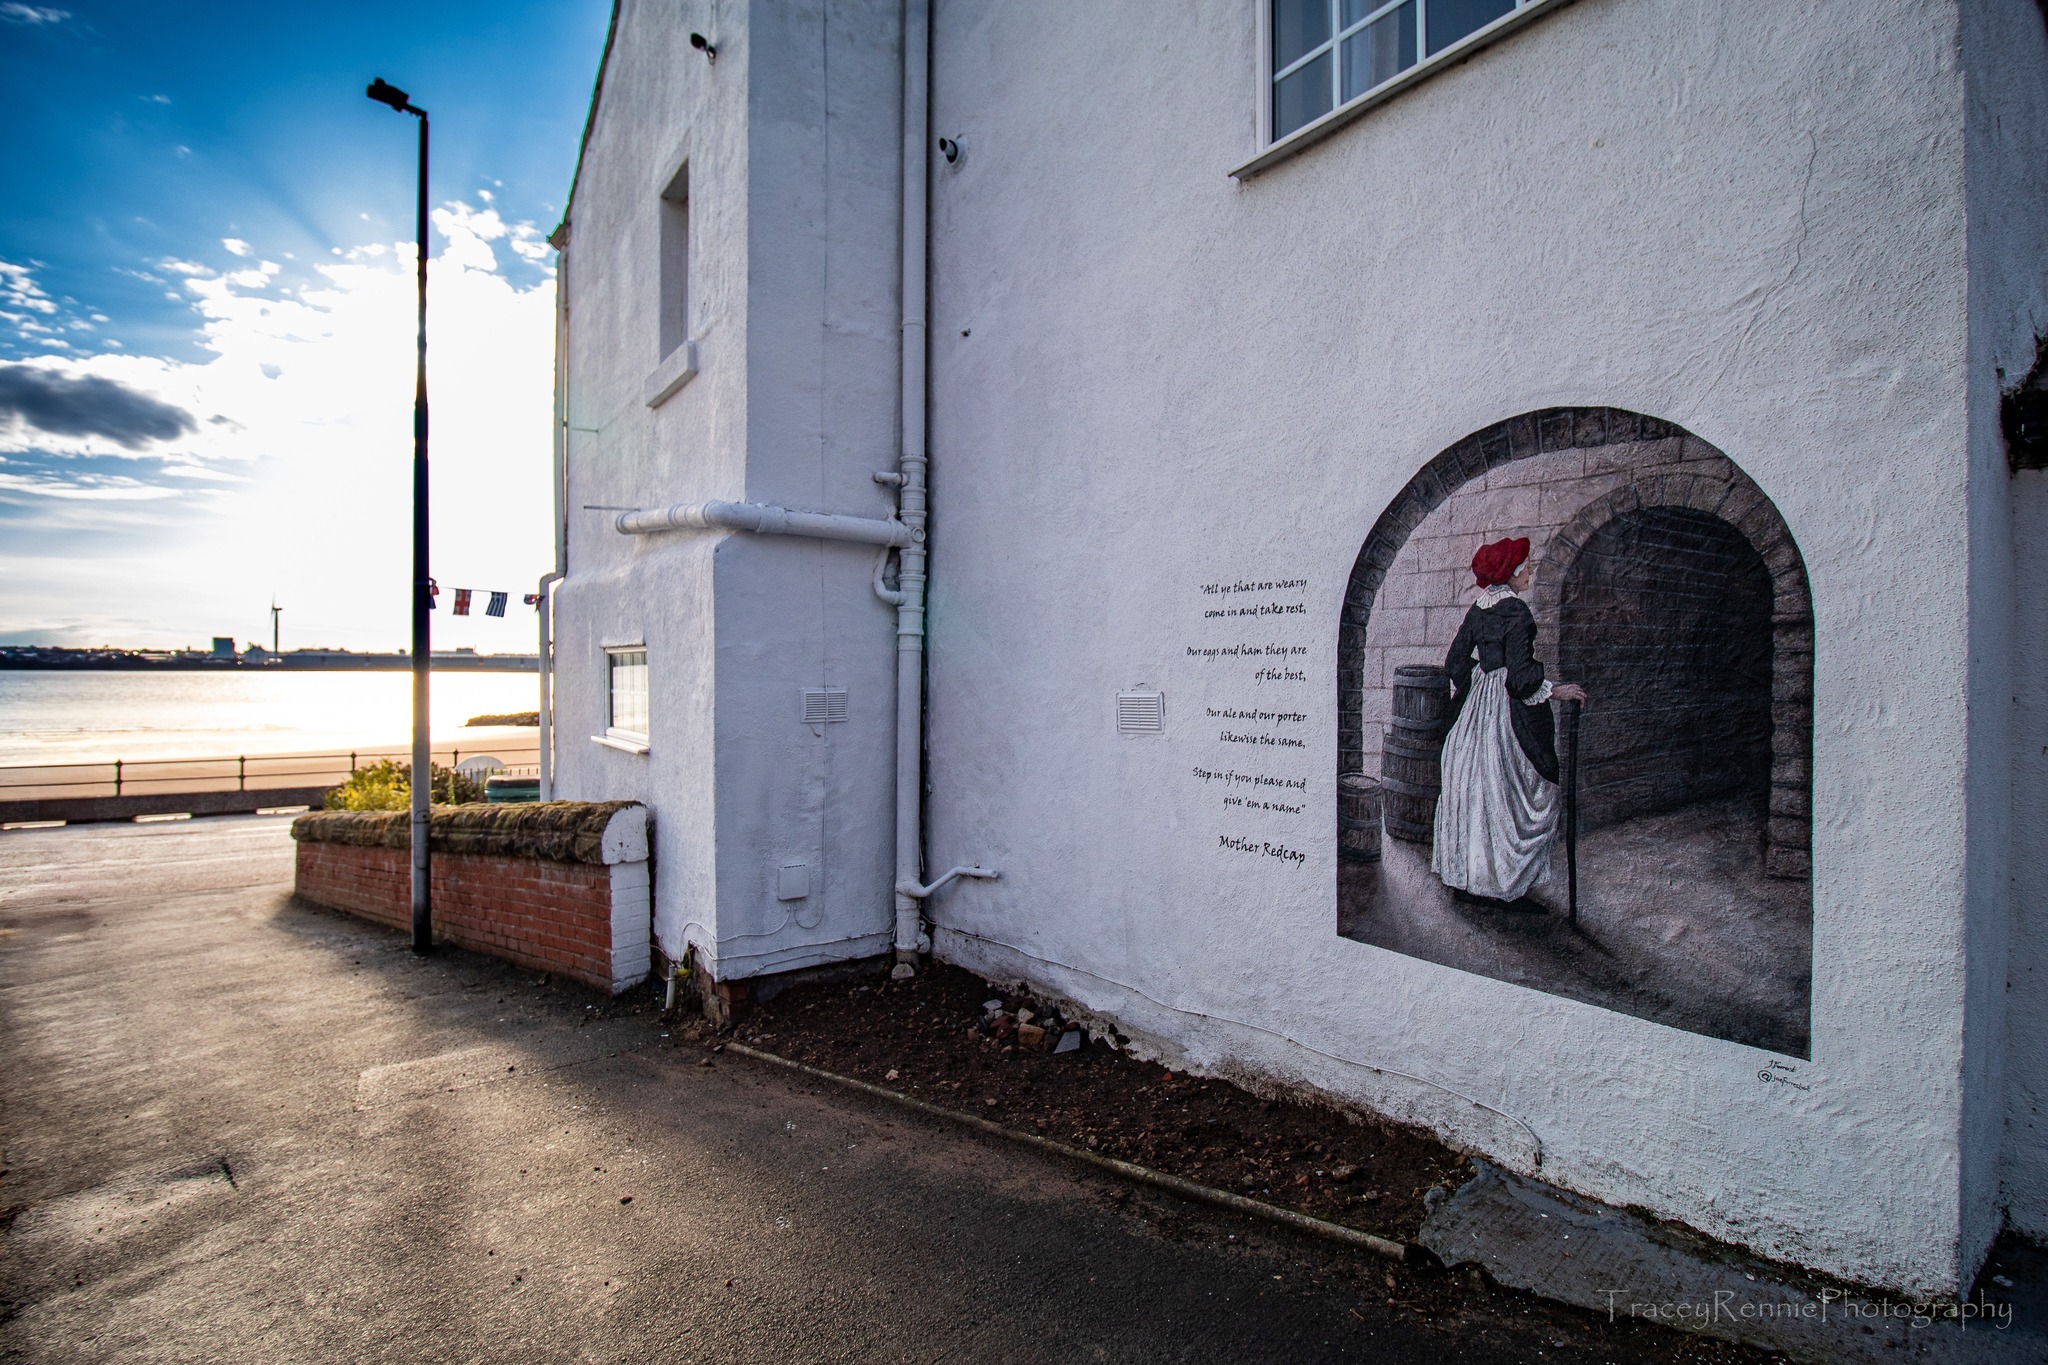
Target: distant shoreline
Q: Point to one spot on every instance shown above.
(285, 663)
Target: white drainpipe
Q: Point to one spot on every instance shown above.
(545, 610)
(905, 531)
(545, 607)
(910, 495)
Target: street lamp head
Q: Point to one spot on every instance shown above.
(385, 93)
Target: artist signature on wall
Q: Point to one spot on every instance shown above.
(1781, 1073)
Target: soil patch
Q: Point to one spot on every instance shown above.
(949, 1038)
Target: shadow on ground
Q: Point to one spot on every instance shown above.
(241, 1128)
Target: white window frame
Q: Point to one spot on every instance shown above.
(615, 736)
(1276, 150)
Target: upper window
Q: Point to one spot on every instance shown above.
(674, 270)
(627, 714)
(1327, 53)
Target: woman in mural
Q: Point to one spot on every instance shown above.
(1497, 816)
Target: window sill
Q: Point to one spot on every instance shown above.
(620, 742)
(678, 368)
(1311, 133)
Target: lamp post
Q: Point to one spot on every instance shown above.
(422, 584)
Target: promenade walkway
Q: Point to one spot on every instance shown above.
(240, 1129)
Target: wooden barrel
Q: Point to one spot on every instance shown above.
(1418, 734)
(1358, 818)
(1422, 700)
(1409, 783)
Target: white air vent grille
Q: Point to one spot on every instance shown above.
(824, 705)
(1140, 713)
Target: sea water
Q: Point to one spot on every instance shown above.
(96, 717)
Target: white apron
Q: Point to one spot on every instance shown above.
(1497, 815)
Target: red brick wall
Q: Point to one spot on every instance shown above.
(553, 917)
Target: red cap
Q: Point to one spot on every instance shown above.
(1496, 563)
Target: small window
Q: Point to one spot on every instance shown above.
(1327, 53)
(675, 262)
(627, 715)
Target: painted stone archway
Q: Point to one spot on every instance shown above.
(1667, 580)
(1648, 463)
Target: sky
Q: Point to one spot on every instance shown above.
(207, 312)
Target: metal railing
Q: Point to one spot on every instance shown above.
(240, 773)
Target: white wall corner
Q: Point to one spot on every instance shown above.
(625, 836)
(632, 924)
(678, 368)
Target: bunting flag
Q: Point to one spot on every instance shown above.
(464, 597)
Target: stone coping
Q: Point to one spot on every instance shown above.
(561, 831)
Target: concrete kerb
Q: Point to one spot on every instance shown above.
(1621, 1263)
(1144, 1175)
(1505, 1224)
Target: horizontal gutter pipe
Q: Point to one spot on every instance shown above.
(763, 519)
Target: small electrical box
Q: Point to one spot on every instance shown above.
(793, 882)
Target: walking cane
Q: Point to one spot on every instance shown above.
(1571, 811)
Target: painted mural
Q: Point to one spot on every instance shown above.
(1575, 718)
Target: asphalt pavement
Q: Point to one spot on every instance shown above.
(240, 1128)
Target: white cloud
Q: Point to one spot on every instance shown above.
(125, 490)
(193, 471)
(530, 242)
(19, 289)
(16, 13)
(235, 245)
(298, 475)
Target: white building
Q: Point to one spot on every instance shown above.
(1249, 320)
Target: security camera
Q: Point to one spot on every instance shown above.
(703, 45)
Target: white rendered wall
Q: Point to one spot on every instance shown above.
(2025, 1153)
(660, 105)
(790, 139)
(2005, 51)
(822, 358)
(1748, 219)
